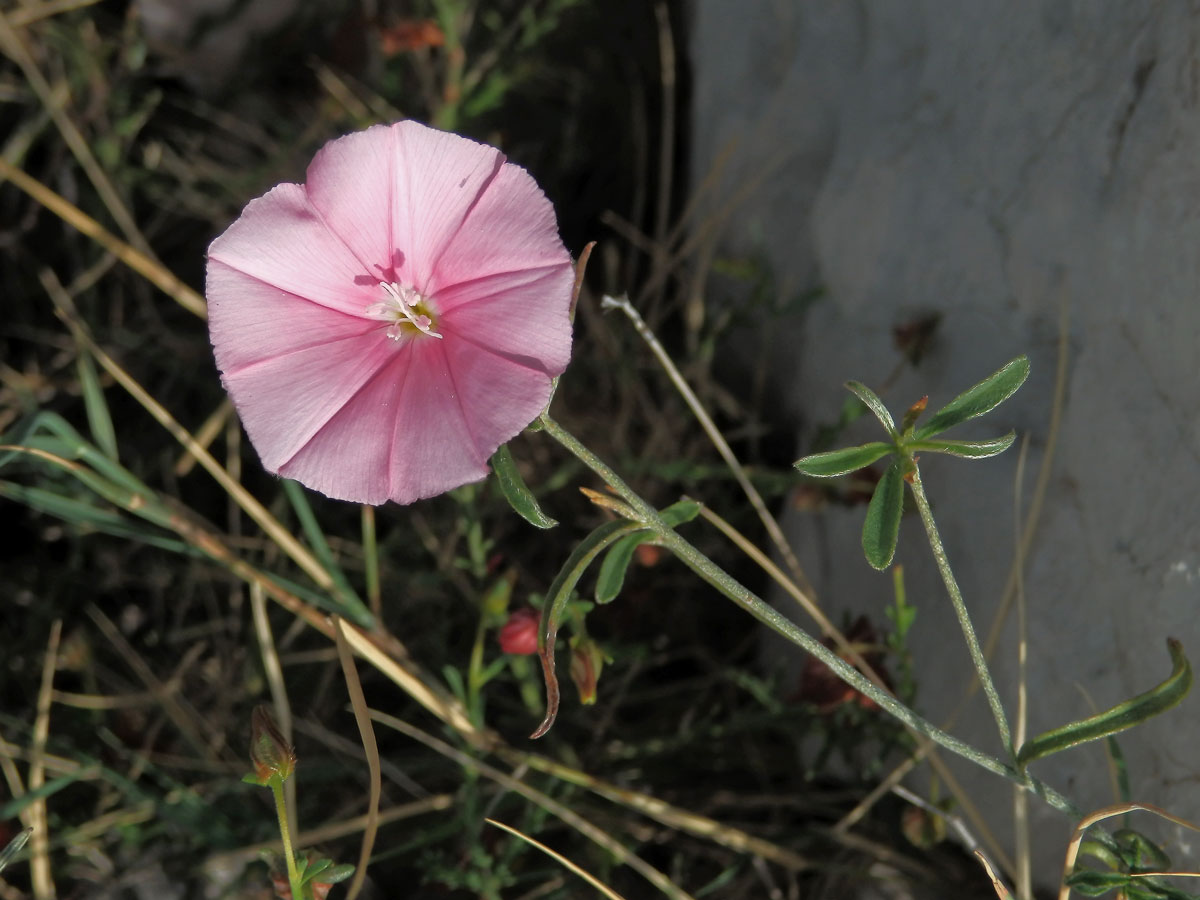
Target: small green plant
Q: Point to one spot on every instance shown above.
(882, 526)
(274, 760)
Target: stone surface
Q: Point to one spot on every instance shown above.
(991, 162)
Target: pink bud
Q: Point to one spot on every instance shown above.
(519, 635)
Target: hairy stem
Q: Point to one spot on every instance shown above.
(286, 836)
(960, 609)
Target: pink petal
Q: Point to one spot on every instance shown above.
(524, 315)
(250, 321)
(351, 181)
(281, 240)
(349, 458)
(511, 228)
(437, 180)
(497, 396)
(285, 400)
(398, 194)
(437, 445)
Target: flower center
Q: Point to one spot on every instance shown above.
(406, 310)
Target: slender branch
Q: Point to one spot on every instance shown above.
(960, 609)
(776, 621)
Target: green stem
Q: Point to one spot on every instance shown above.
(773, 619)
(286, 836)
(475, 682)
(960, 609)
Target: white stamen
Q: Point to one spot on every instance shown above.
(400, 308)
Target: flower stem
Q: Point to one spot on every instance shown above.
(773, 619)
(286, 836)
(960, 609)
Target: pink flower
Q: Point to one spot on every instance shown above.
(385, 326)
(519, 635)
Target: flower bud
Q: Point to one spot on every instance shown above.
(270, 753)
(587, 661)
(519, 635)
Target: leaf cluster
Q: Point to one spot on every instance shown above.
(882, 526)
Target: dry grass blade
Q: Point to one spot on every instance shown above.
(13, 44)
(27, 15)
(188, 722)
(407, 678)
(279, 698)
(332, 831)
(672, 816)
(205, 435)
(255, 510)
(39, 849)
(621, 853)
(997, 884)
(561, 860)
(362, 715)
(1023, 849)
(148, 268)
(718, 441)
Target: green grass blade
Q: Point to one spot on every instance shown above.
(99, 419)
(17, 805)
(882, 526)
(14, 847)
(985, 396)
(354, 606)
(88, 516)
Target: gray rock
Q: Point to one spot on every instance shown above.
(989, 162)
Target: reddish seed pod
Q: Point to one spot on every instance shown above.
(519, 636)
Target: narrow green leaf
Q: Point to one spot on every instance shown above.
(87, 516)
(1122, 716)
(14, 847)
(616, 562)
(1097, 850)
(16, 806)
(1140, 853)
(841, 462)
(966, 449)
(337, 873)
(99, 420)
(516, 492)
(315, 869)
(611, 578)
(882, 526)
(986, 395)
(556, 602)
(874, 404)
